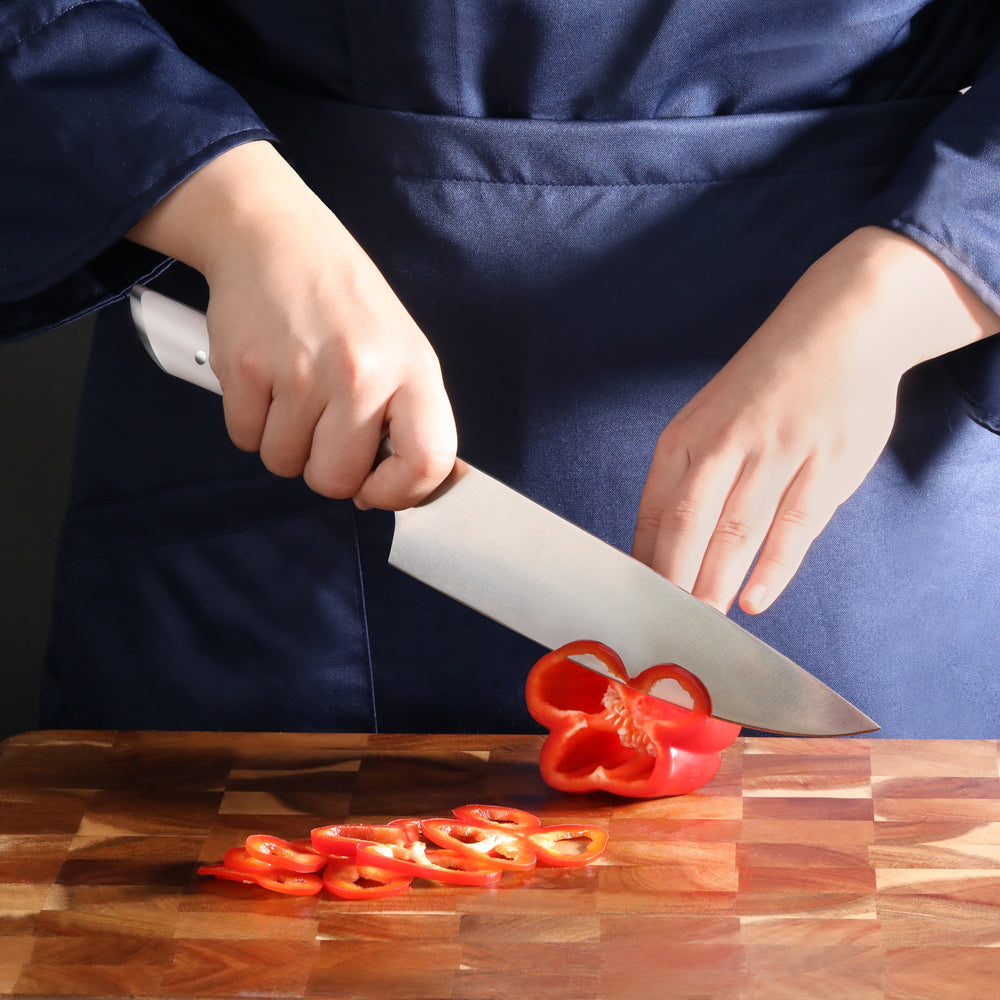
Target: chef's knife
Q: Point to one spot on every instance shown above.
(496, 551)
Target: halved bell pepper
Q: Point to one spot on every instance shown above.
(614, 736)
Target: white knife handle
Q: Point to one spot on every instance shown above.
(175, 335)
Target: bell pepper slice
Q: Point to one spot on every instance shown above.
(226, 873)
(341, 840)
(489, 844)
(382, 860)
(410, 826)
(453, 861)
(239, 859)
(504, 817)
(413, 861)
(347, 880)
(568, 846)
(277, 880)
(290, 883)
(606, 735)
(283, 854)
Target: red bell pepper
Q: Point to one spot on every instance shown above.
(239, 859)
(276, 879)
(415, 861)
(490, 845)
(568, 846)
(345, 879)
(466, 870)
(367, 861)
(516, 849)
(613, 736)
(504, 817)
(341, 840)
(283, 854)
(290, 883)
(222, 871)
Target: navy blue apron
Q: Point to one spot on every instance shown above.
(580, 281)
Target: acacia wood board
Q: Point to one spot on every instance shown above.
(830, 868)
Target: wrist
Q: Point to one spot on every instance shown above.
(911, 306)
(230, 205)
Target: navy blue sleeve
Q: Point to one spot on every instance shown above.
(101, 117)
(946, 196)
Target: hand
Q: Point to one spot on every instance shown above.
(316, 356)
(762, 456)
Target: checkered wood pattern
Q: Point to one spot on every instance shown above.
(848, 869)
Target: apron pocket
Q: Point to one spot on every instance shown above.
(214, 607)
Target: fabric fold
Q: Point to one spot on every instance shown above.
(85, 159)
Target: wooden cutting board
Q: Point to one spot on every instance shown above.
(845, 868)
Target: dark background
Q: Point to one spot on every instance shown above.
(40, 382)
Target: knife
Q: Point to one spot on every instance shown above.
(487, 546)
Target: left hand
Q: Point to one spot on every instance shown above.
(762, 456)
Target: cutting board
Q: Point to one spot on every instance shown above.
(843, 868)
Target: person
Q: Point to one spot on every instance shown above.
(718, 282)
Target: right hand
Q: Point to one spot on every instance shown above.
(316, 356)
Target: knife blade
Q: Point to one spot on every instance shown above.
(500, 553)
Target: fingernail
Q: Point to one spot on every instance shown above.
(754, 598)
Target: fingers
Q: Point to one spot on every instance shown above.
(313, 372)
(341, 460)
(246, 402)
(746, 520)
(293, 420)
(702, 524)
(680, 507)
(424, 440)
(319, 424)
(800, 517)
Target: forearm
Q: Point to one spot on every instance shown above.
(235, 202)
(245, 210)
(899, 302)
(315, 354)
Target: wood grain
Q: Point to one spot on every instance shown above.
(847, 869)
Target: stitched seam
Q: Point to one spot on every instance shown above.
(946, 250)
(456, 56)
(100, 241)
(404, 175)
(21, 39)
(363, 612)
(28, 327)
